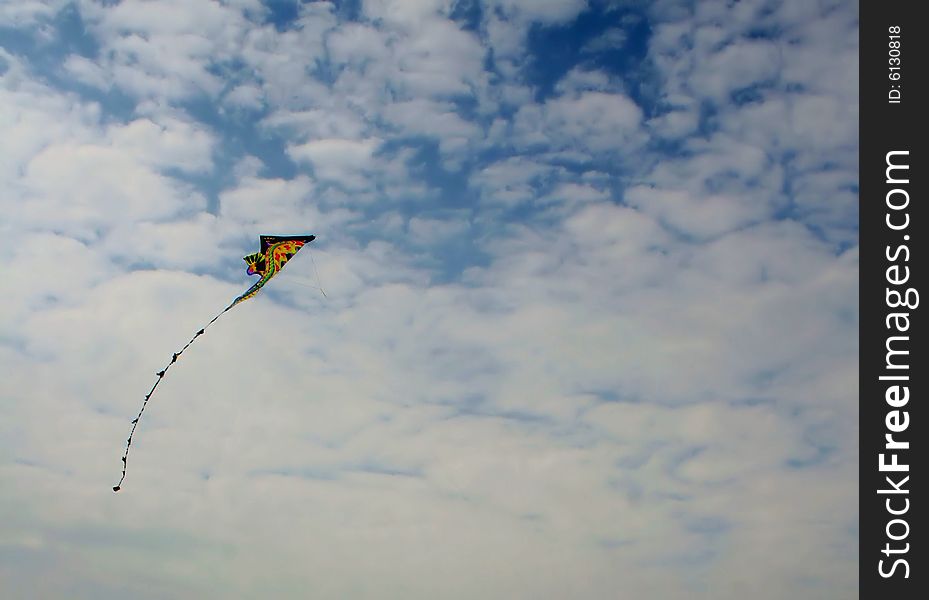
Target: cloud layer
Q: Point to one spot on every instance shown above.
(590, 315)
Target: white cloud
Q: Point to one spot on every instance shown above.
(25, 109)
(507, 39)
(578, 80)
(427, 118)
(612, 39)
(798, 109)
(59, 192)
(544, 11)
(697, 216)
(164, 49)
(29, 12)
(441, 60)
(679, 122)
(282, 61)
(406, 77)
(405, 12)
(806, 122)
(328, 122)
(68, 269)
(430, 231)
(566, 197)
(338, 160)
(356, 43)
(591, 121)
(167, 143)
(267, 204)
(195, 243)
(513, 180)
(245, 96)
(87, 72)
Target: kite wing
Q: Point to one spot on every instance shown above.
(275, 251)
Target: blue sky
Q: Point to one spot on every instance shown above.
(591, 312)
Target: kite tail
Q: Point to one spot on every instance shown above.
(161, 374)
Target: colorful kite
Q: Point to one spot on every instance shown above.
(266, 263)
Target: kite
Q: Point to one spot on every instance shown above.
(266, 263)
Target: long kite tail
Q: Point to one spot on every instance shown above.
(161, 374)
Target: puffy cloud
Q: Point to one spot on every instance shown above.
(58, 190)
(245, 96)
(430, 230)
(513, 180)
(405, 13)
(87, 72)
(594, 121)
(544, 11)
(337, 160)
(169, 143)
(29, 12)
(155, 50)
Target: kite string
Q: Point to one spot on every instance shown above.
(317, 277)
(306, 285)
(160, 374)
